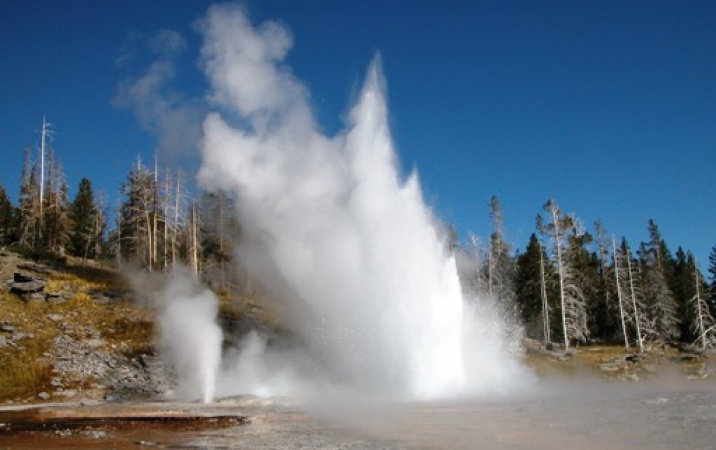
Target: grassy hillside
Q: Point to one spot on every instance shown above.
(612, 362)
(82, 300)
(85, 334)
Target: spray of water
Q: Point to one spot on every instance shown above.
(332, 229)
(189, 337)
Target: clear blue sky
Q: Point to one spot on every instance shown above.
(608, 107)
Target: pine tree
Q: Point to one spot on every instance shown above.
(219, 232)
(452, 239)
(7, 219)
(28, 227)
(662, 309)
(604, 306)
(500, 270)
(682, 288)
(530, 289)
(88, 223)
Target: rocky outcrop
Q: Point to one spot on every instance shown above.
(10, 336)
(112, 370)
(85, 351)
(25, 286)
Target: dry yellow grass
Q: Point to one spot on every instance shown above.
(613, 362)
(21, 376)
(25, 368)
(22, 366)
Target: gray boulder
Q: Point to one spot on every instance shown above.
(25, 285)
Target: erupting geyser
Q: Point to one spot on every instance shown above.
(330, 228)
(190, 338)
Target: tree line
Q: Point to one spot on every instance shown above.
(572, 286)
(157, 224)
(567, 286)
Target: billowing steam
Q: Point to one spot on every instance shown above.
(331, 229)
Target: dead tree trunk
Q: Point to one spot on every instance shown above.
(620, 296)
(545, 304)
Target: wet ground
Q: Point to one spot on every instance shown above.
(585, 416)
(596, 420)
(241, 423)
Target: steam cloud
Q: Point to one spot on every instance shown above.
(171, 116)
(330, 228)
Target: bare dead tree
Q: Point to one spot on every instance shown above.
(136, 216)
(56, 223)
(704, 325)
(620, 297)
(155, 214)
(572, 303)
(166, 207)
(194, 241)
(545, 303)
(500, 266)
(178, 217)
(637, 299)
(99, 224)
(46, 133)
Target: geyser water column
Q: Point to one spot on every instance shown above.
(328, 225)
(190, 338)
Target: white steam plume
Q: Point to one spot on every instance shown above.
(170, 115)
(330, 228)
(190, 338)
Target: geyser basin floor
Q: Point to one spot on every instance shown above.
(590, 416)
(238, 422)
(124, 425)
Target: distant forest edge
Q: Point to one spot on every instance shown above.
(567, 286)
